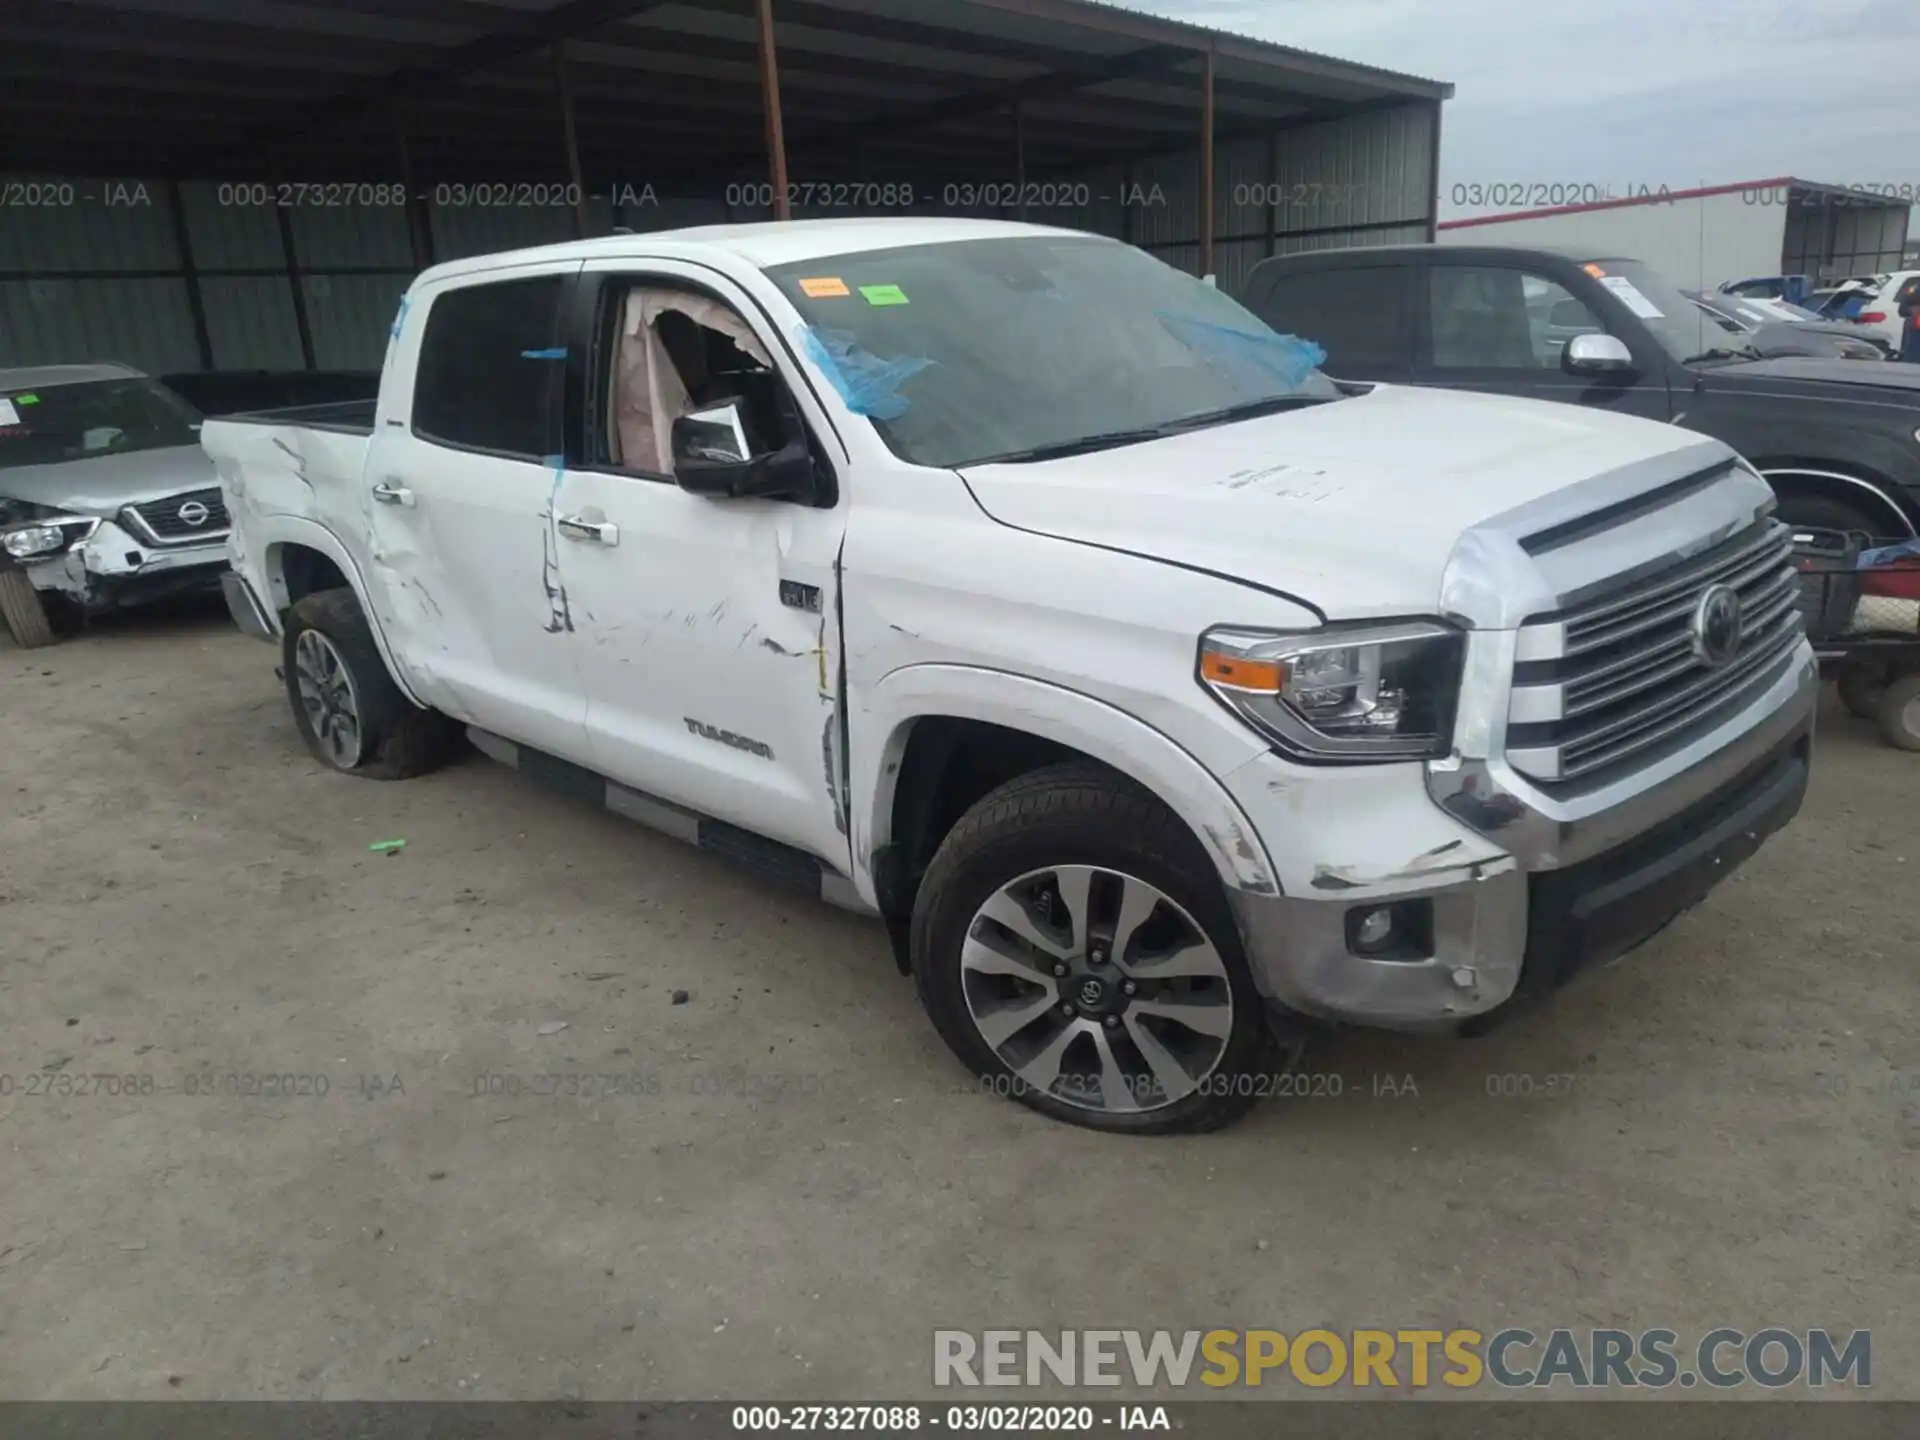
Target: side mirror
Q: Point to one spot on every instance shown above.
(1596, 355)
(711, 456)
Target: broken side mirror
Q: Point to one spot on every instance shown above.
(711, 456)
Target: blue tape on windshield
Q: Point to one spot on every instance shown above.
(559, 352)
(867, 384)
(1252, 359)
(400, 316)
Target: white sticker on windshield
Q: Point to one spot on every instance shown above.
(8, 415)
(1631, 297)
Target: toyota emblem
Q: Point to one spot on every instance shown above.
(1716, 626)
(193, 513)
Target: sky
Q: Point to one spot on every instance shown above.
(1625, 93)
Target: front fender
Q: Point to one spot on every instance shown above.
(879, 730)
(270, 536)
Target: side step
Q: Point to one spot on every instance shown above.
(768, 859)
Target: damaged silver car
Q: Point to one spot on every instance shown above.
(106, 499)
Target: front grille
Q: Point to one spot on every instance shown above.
(1604, 684)
(163, 522)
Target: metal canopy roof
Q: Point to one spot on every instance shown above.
(664, 93)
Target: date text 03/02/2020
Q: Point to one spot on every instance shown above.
(986, 1419)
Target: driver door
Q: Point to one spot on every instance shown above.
(706, 630)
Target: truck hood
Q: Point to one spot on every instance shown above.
(105, 484)
(1353, 507)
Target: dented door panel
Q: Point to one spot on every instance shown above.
(704, 686)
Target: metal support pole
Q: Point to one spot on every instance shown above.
(196, 305)
(1433, 182)
(419, 225)
(1020, 159)
(770, 99)
(1273, 192)
(1206, 162)
(580, 225)
(295, 284)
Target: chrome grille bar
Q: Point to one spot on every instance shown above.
(1618, 677)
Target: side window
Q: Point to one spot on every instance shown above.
(1358, 315)
(1486, 317)
(477, 387)
(670, 352)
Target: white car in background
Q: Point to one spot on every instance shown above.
(106, 498)
(1881, 311)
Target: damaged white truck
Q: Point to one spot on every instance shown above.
(1166, 699)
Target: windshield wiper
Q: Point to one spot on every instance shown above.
(1721, 352)
(1245, 410)
(1085, 445)
(1113, 439)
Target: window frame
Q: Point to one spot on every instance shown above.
(590, 325)
(1399, 370)
(564, 282)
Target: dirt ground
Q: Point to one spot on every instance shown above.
(803, 1185)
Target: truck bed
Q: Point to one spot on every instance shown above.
(349, 417)
(305, 462)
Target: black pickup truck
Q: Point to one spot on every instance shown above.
(1838, 439)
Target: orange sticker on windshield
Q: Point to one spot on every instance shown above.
(824, 287)
(1595, 271)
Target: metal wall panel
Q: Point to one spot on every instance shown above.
(1233, 260)
(1351, 239)
(1336, 178)
(463, 230)
(350, 318)
(87, 225)
(250, 322)
(231, 227)
(353, 236)
(144, 323)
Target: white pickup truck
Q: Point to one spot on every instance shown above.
(1166, 699)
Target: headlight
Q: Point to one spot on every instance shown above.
(34, 540)
(1343, 694)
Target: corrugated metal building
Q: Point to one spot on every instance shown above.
(250, 184)
(1700, 238)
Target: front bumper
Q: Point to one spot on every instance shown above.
(1569, 887)
(112, 569)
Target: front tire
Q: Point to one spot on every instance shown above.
(1073, 946)
(350, 713)
(20, 606)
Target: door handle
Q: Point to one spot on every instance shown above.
(601, 532)
(388, 493)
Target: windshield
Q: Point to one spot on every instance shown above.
(82, 422)
(1687, 332)
(1011, 348)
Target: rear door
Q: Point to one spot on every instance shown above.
(458, 501)
(1502, 327)
(1359, 313)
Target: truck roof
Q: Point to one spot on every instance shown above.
(45, 377)
(762, 244)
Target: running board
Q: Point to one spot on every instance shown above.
(768, 859)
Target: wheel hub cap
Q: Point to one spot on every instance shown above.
(1096, 988)
(328, 697)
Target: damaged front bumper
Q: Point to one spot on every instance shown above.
(1501, 905)
(110, 569)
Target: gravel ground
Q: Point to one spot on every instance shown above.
(804, 1186)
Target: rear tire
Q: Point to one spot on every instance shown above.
(1900, 713)
(1861, 688)
(1097, 878)
(27, 619)
(350, 713)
